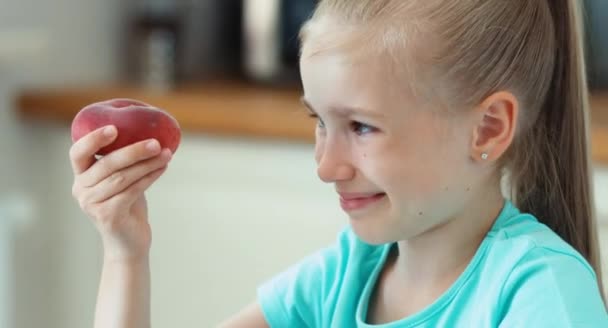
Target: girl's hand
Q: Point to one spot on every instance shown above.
(110, 190)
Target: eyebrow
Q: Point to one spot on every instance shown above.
(344, 111)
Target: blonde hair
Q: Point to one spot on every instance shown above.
(532, 48)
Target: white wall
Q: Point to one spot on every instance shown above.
(44, 43)
(28, 266)
(601, 192)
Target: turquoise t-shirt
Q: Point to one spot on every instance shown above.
(523, 275)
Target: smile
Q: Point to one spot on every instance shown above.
(353, 202)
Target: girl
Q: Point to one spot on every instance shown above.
(424, 109)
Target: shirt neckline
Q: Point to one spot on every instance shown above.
(508, 211)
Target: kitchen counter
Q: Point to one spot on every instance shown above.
(217, 108)
(230, 108)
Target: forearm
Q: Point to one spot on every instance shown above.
(123, 299)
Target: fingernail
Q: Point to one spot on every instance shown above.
(152, 145)
(109, 131)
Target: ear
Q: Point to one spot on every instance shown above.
(493, 133)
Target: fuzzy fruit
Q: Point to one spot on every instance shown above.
(134, 120)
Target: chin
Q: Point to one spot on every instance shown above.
(385, 229)
(373, 233)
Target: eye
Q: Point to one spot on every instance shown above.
(362, 128)
(320, 122)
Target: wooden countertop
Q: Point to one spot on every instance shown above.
(234, 109)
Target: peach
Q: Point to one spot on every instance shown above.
(134, 120)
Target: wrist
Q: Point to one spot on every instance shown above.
(118, 253)
(128, 260)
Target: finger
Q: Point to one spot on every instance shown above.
(82, 152)
(134, 191)
(119, 160)
(118, 181)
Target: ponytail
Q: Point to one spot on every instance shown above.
(551, 176)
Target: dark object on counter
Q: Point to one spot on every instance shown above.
(270, 36)
(596, 15)
(182, 41)
(153, 42)
(211, 46)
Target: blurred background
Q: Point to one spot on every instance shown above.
(239, 203)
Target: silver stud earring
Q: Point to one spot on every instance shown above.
(484, 156)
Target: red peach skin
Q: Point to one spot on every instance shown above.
(134, 120)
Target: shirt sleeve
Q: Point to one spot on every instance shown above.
(294, 298)
(552, 289)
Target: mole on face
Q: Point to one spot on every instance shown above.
(468, 188)
(420, 213)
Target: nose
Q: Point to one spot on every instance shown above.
(333, 162)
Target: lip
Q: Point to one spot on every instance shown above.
(358, 201)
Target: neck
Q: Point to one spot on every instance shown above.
(438, 256)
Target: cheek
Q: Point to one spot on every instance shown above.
(440, 174)
(420, 165)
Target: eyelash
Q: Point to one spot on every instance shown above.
(358, 126)
(320, 123)
(355, 125)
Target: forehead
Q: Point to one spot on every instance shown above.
(336, 78)
(364, 60)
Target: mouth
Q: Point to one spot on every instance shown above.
(358, 201)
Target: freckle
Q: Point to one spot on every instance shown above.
(419, 213)
(447, 188)
(468, 188)
(364, 155)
